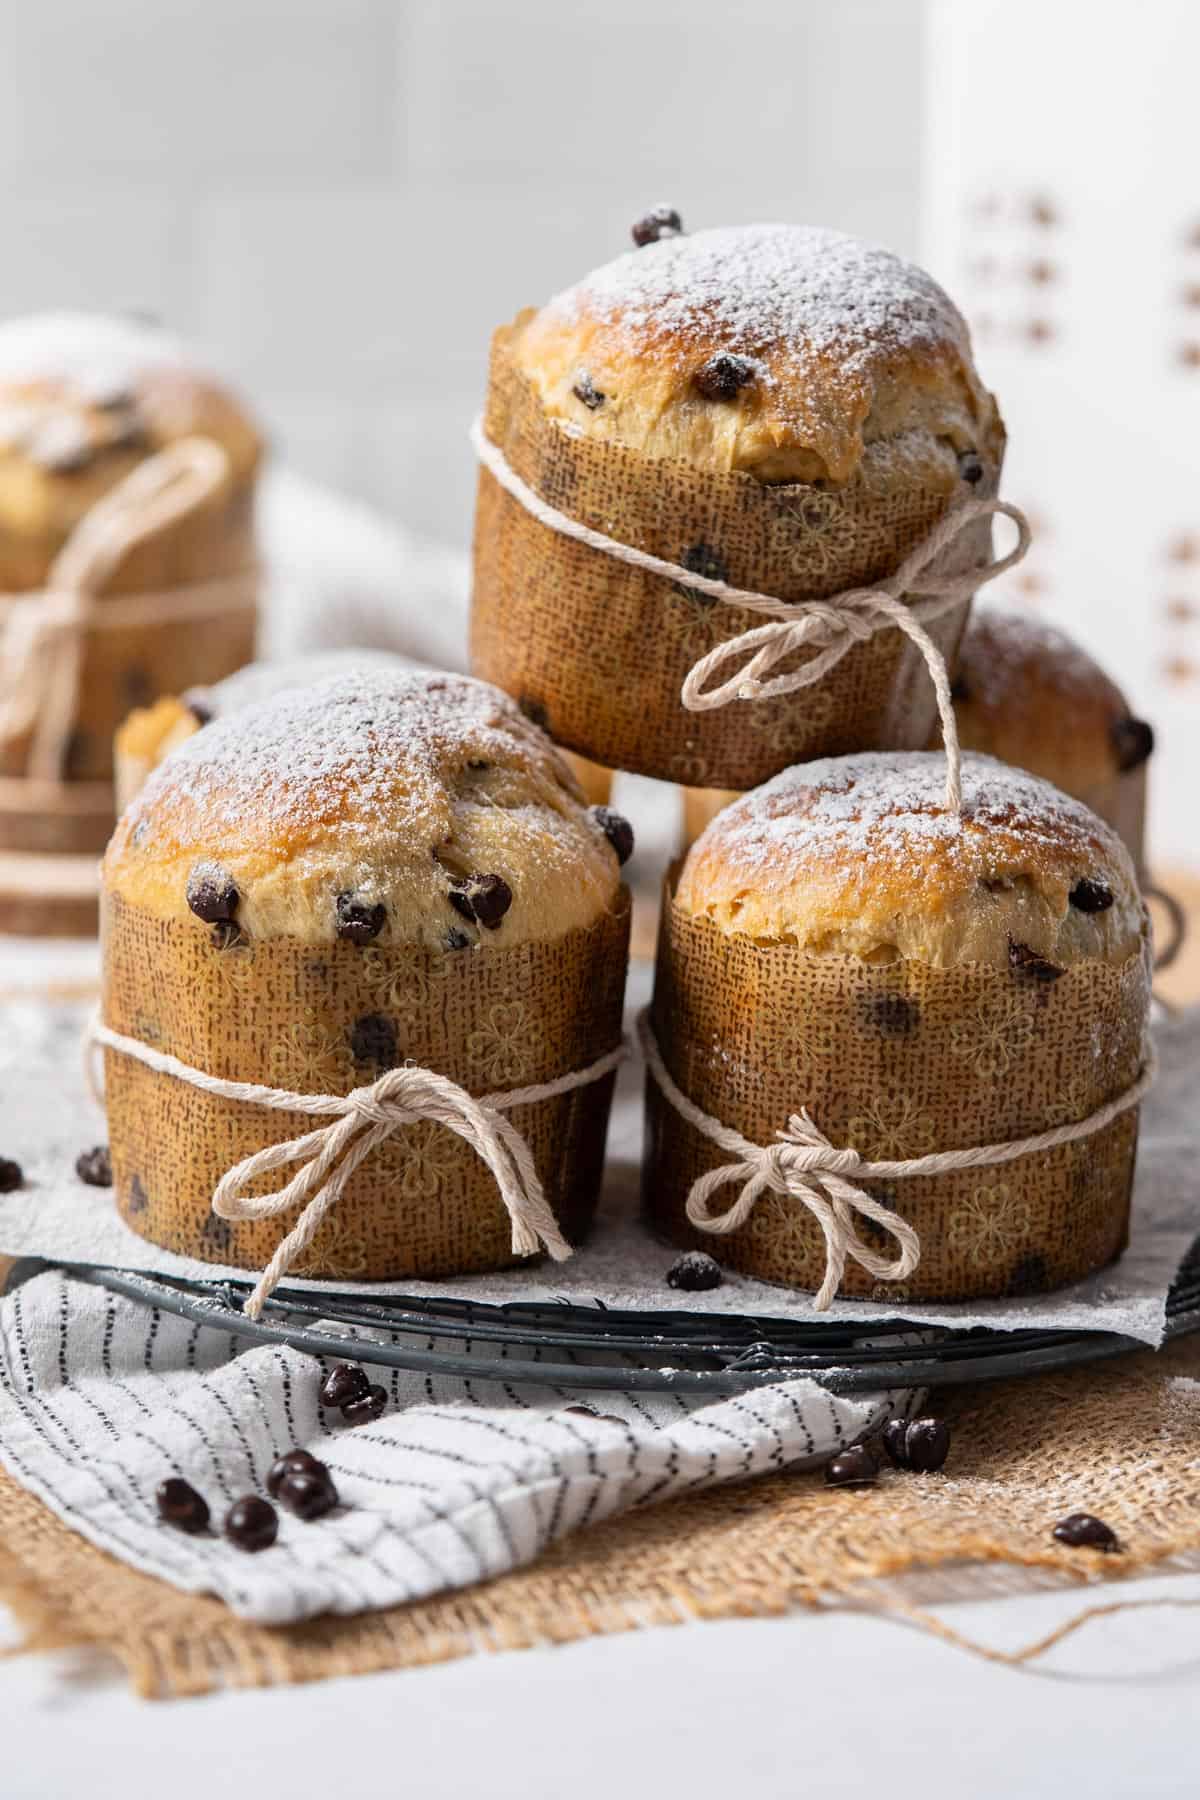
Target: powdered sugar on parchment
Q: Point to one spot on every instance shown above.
(768, 287)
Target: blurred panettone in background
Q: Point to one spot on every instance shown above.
(128, 566)
(1029, 695)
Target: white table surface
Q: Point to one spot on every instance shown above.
(825, 1704)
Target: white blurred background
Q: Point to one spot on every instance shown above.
(341, 198)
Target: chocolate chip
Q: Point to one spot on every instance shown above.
(344, 1382)
(289, 1463)
(1133, 741)
(855, 1467)
(1084, 1531)
(694, 1273)
(660, 222)
(723, 376)
(359, 921)
(484, 899)
(535, 711)
(12, 1176)
(308, 1494)
(180, 1505)
(252, 1523)
(891, 1015)
(371, 1406)
(893, 1436)
(211, 895)
(456, 939)
(584, 390)
(616, 829)
(1029, 1276)
(970, 467)
(918, 1444)
(199, 708)
(138, 1199)
(1089, 896)
(373, 1040)
(1029, 966)
(95, 1166)
(928, 1445)
(702, 559)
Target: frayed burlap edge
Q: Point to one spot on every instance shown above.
(1117, 1440)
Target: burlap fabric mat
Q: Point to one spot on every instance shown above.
(1118, 1439)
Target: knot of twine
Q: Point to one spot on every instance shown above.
(359, 1123)
(831, 627)
(42, 633)
(804, 1166)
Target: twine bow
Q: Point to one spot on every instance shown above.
(831, 626)
(42, 634)
(359, 1122)
(804, 1166)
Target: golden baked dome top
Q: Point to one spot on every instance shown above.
(76, 389)
(1030, 695)
(417, 807)
(858, 856)
(779, 350)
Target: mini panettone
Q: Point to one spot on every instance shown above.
(1028, 694)
(385, 883)
(850, 974)
(127, 556)
(781, 409)
(150, 732)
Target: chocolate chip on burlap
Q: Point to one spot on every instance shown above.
(1084, 1531)
(921, 1445)
(855, 1467)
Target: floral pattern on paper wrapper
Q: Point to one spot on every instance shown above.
(892, 1129)
(990, 1224)
(995, 1036)
(502, 1048)
(407, 995)
(309, 1058)
(426, 1153)
(334, 1251)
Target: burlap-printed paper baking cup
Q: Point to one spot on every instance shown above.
(901, 1060)
(328, 1018)
(597, 651)
(156, 591)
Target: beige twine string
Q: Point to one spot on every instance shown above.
(361, 1121)
(42, 634)
(803, 1165)
(831, 627)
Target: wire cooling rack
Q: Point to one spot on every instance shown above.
(598, 1348)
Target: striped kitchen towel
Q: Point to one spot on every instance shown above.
(457, 1481)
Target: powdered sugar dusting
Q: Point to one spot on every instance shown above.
(771, 288)
(885, 808)
(359, 752)
(93, 353)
